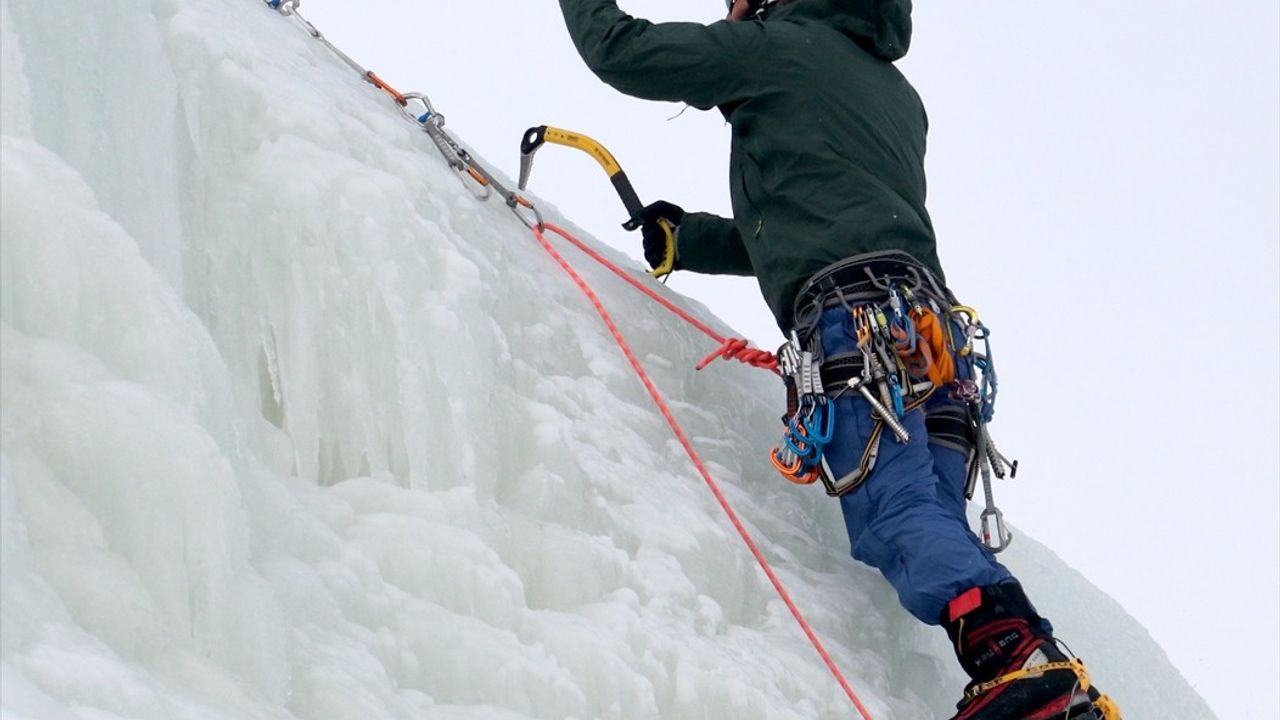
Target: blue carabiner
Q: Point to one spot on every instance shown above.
(895, 390)
(908, 327)
(804, 449)
(820, 425)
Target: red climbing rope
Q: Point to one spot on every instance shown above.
(679, 431)
(730, 348)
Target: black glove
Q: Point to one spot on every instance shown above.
(655, 234)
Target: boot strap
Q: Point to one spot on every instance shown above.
(1104, 703)
(1074, 665)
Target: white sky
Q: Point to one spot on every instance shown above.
(1105, 182)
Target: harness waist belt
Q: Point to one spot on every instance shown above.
(864, 278)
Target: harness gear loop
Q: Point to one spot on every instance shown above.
(536, 137)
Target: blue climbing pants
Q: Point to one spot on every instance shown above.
(907, 519)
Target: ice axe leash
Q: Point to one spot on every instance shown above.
(536, 137)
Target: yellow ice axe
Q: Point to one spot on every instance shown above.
(536, 137)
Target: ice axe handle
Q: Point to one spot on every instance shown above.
(630, 200)
(635, 209)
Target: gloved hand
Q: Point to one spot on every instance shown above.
(656, 239)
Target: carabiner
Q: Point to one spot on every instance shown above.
(519, 201)
(903, 332)
(785, 462)
(972, 324)
(792, 467)
(862, 323)
(1003, 536)
(797, 441)
(478, 186)
(895, 391)
(820, 423)
(429, 113)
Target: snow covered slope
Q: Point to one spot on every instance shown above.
(294, 427)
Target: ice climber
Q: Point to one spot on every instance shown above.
(828, 192)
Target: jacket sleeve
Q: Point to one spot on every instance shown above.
(678, 61)
(710, 244)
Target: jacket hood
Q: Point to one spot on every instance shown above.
(881, 27)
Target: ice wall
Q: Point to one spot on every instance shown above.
(295, 427)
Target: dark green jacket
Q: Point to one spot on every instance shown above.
(828, 146)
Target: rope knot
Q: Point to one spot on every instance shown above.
(738, 349)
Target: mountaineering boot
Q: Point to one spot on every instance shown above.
(1017, 669)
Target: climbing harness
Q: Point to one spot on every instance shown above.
(912, 339)
(536, 137)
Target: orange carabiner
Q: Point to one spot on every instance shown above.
(792, 471)
(863, 325)
(786, 469)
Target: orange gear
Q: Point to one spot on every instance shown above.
(932, 356)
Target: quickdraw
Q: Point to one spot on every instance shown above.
(479, 181)
(912, 339)
(987, 459)
(810, 421)
(432, 123)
